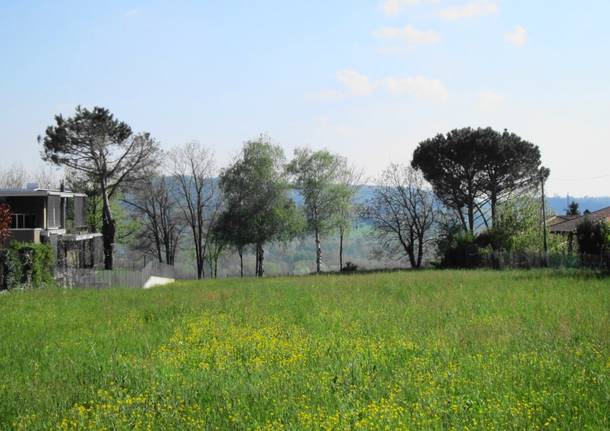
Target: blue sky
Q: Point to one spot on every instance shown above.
(367, 79)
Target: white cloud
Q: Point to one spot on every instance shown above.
(355, 83)
(409, 35)
(517, 37)
(469, 10)
(489, 101)
(417, 86)
(394, 7)
(132, 12)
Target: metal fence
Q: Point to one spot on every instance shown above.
(526, 260)
(132, 276)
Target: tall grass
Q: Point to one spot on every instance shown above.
(434, 350)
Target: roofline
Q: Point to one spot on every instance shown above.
(18, 193)
(576, 221)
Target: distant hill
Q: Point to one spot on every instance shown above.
(559, 203)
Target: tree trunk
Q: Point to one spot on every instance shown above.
(260, 257)
(318, 252)
(411, 249)
(108, 231)
(341, 249)
(462, 219)
(420, 250)
(158, 247)
(240, 251)
(494, 204)
(471, 217)
(200, 268)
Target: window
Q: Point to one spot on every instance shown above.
(23, 221)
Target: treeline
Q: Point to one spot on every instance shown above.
(469, 187)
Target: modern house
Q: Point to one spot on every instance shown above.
(57, 218)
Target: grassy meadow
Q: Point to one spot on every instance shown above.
(432, 350)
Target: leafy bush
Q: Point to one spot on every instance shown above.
(9, 269)
(5, 223)
(349, 268)
(593, 238)
(25, 264)
(461, 250)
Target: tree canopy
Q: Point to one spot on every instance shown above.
(258, 206)
(471, 170)
(317, 175)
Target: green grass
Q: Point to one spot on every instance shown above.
(429, 350)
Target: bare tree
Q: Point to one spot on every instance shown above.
(192, 168)
(47, 177)
(154, 203)
(402, 213)
(14, 177)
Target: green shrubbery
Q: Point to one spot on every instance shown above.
(517, 232)
(594, 243)
(26, 265)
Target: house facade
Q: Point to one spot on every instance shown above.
(57, 218)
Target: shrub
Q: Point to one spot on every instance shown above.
(26, 264)
(5, 223)
(593, 238)
(461, 251)
(349, 268)
(9, 269)
(496, 239)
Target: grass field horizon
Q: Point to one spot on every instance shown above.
(436, 350)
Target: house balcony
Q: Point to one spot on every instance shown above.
(25, 235)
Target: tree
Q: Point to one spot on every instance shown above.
(346, 215)
(216, 246)
(105, 151)
(257, 202)
(402, 213)
(5, 223)
(14, 177)
(519, 225)
(232, 227)
(593, 237)
(47, 178)
(317, 176)
(511, 164)
(573, 209)
(192, 168)
(154, 203)
(472, 169)
(81, 183)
